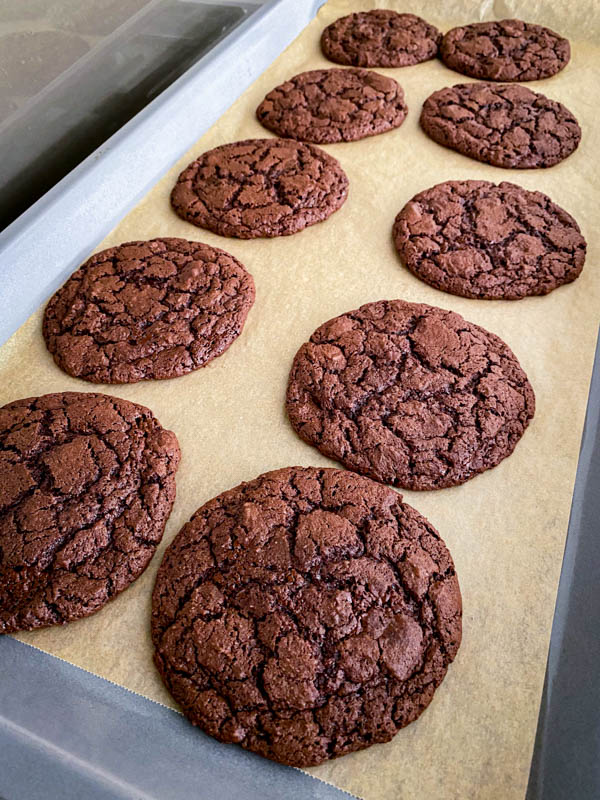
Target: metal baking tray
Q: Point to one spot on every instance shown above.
(65, 733)
(73, 73)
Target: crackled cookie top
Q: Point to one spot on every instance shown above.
(409, 394)
(87, 483)
(260, 187)
(333, 105)
(146, 310)
(496, 242)
(305, 614)
(506, 126)
(380, 38)
(509, 50)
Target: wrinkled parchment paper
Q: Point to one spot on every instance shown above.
(506, 528)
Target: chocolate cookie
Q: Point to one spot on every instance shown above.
(305, 614)
(494, 242)
(380, 38)
(509, 50)
(506, 126)
(409, 394)
(333, 105)
(148, 310)
(87, 483)
(260, 187)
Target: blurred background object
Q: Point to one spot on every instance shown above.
(72, 72)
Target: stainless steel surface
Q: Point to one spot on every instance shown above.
(566, 760)
(82, 738)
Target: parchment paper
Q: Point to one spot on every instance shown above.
(505, 529)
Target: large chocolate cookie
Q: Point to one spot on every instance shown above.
(409, 394)
(147, 310)
(260, 187)
(506, 126)
(333, 105)
(496, 242)
(87, 483)
(509, 50)
(305, 614)
(380, 38)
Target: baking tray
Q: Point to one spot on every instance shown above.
(126, 57)
(66, 733)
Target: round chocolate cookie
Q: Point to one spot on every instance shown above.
(380, 38)
(260, 188)
(409, 394)
(333, 105)
(87, 483)
(148, 310)
(483, 240)
(505, 126)
(305, 614)
(509, 50)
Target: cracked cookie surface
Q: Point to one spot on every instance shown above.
(148, 310)
(409, 394)
(483, 240)
(260, 188)
(508, 50)
(380, 38)
(305, 614)
(505, 126)
(333, 105)
(87, 483)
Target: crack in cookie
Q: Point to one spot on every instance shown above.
(409, 394)
(380, 38)
(483, 240)
(87, 483)
(148, 310)
(508, 50)
(305, 614)
(260, 188)
(505, 126)
(333, 105)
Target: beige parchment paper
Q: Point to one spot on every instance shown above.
(506, 528)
